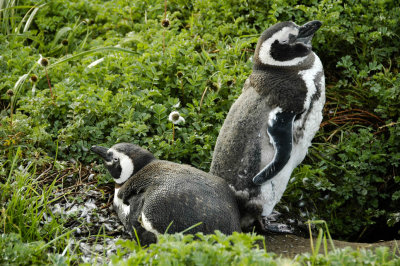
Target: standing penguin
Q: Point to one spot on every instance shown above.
(270, 126)
(153, 195)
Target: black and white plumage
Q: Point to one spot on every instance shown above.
(269, 128)
(151, 193)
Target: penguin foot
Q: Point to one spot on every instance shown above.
(278, 228)
(272, 224)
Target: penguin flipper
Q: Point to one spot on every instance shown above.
(133, 187)
(280, 132)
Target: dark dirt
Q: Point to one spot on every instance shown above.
(288, 245)
(87, 207)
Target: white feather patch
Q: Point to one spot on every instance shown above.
(272, 115)
(126, 166)
(267, 157)
(147, 225)
(282, 36)
(121, 207)
(308, 76)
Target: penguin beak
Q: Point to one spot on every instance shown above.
(100, 151)
(306, 32)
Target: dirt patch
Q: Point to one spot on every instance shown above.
(288, 245)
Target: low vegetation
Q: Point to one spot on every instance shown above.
(79, 73)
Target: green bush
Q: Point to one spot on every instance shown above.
(348, 256)
(238, 249)
(197, 66)
(216, 249)
(15, 252)
(351, 184)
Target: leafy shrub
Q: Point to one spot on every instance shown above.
(237, 249)
(15, 252)
(353, 187)
(348, 256)
(216, 249)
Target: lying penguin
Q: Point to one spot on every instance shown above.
(269, 128)
(152, 195)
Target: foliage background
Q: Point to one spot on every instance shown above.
(197, 66)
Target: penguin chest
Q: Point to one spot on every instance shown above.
(122, 209)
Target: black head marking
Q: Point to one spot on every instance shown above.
(111, 161)
(123, 160)
(115, 169)
(286, 51)
(267, 34)
(138, 155)
(285, 44)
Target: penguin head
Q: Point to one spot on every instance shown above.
(285, 44)
(123, 160)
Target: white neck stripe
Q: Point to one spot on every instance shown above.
(309, 76)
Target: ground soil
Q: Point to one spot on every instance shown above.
(288, 245)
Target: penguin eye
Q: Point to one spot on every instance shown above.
(115, 159)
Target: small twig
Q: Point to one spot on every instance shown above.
(75, 186)
(181, 83)
(107, 205)
(202, 97)
(346, 116)
(48, 82)
(44, 172)
(165, 16)
(163, 41)
(389, 125)
(80, 173)
(173, 133)
(11, 114)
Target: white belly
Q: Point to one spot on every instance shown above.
(148, 226)
(272, 190)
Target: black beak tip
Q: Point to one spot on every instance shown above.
(94, 149)
(101, 151)
(308, 29)
(317, 24)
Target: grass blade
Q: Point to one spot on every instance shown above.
(318, 242)
(59, 34)
(13, 164)
(191, 227)
(96, 50)
(30, 19)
